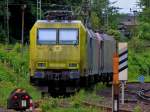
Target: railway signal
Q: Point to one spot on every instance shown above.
(20, 100)
(123, 66)
(23, 7)
(120, 74)
(115, 86)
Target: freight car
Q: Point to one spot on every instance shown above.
(65, 54)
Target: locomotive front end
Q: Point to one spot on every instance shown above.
(55, 54)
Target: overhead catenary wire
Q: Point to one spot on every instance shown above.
(32, 4)
(2, 3)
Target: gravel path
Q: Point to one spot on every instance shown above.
(133, 101)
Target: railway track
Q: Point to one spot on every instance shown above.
(103, 107)
(6, 110)
(134, 97)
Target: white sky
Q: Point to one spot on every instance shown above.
(126, 5)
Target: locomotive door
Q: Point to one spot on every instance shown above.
(91, 55)
(102, 56)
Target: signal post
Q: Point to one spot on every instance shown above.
(115, 85)
(120, 74)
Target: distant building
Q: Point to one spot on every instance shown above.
(127, 24)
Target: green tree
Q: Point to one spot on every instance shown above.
(95, 21)
(144, 30)
(144, 27)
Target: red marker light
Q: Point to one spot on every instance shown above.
(31, 105)
(15, 97)
(26, 97)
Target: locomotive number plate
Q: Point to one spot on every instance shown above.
(24, 103)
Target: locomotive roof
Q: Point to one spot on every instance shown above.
(91, 33)
(107, 37)
(60, 21)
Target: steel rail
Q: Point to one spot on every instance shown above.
(104, 107)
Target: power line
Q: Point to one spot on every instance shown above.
(42, 4)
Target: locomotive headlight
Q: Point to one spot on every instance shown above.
(73, 65)
(41, 65)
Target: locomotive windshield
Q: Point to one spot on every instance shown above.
(47, 36)
(58, 36)
(68, 36)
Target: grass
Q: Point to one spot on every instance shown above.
(14, 73)
(139, 64)
(12, 77)
(9, 81)
(79, 109)
(74, 103)
(137, 109)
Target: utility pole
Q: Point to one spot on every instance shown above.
(107, 16)
(134, 14)
(7, 21)
(87, 12)
(115, 85)
(38, 9)
(22, 33)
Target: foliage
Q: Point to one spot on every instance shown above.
(2, 34)
(73, 103)
(95, 21)
(116, 34)
(99, 10)
(136, 44)
(139, 51)
(15, 59)
(144, 23)
(14, 78)
(137, 109)
(9, 80)
(139, 63)
(144, 30)
(145, 15)
(14, 72)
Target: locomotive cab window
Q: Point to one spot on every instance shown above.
(68, 36)
(47, 36)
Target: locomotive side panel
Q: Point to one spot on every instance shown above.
(109, 50)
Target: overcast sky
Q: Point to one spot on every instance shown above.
(125, 4)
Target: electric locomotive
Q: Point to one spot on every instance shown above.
(65, 54)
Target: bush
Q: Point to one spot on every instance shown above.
(139, 63)
(95, 21)
(116, 34)
(136, 44)
(144, 31)
(14, 59)
(2, 35)
(17, 47)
